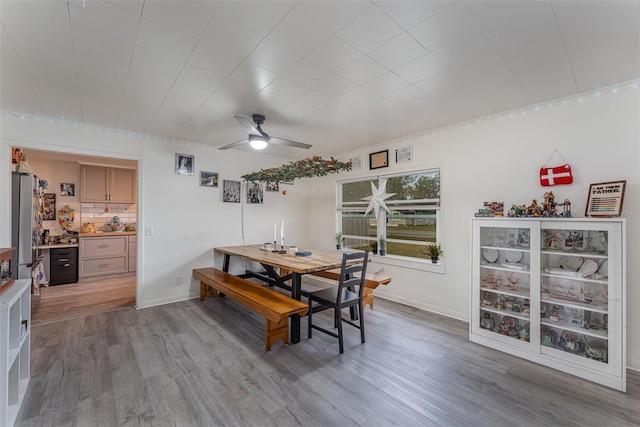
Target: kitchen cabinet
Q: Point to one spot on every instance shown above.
(133, 253)
(63, 265)
(15, 333)
(101, 256)
(106, 184)
(552, 291)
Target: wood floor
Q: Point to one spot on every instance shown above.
(203, 364)
(64, 302)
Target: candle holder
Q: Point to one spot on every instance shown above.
(282, 250)
(275, 247)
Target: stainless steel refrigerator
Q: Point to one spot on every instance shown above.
(26, 224)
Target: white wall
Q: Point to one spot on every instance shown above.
(188, 220)
(499, 160)
(493, 160)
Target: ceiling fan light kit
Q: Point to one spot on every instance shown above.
(258, 142)
(259, 139)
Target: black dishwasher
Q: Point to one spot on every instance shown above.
(64, 266)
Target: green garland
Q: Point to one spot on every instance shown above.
(307, 168)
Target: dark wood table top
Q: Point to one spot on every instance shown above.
(317, 261)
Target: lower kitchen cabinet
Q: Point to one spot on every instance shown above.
(63, 266)
(107, 254)
(133, 253)
(103, 256)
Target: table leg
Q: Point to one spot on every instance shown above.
(225, 263)
(296, 289)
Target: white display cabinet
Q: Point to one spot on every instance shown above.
(552, 291)
(15, 332)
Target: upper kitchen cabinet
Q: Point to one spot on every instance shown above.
(105, 184)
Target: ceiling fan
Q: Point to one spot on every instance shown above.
(258, 138)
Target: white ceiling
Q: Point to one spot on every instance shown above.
(339, 75)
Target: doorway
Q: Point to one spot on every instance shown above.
(90, 295)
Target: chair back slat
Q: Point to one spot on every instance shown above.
(347, 273)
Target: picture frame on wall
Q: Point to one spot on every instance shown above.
(379, 159)
(67, 189)
(605, 199)
(184, 164)
(255, 192)
(208, 179)
(49, 207)
(230, 191)
(273, 186)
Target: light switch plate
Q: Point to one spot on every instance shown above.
(148, 231)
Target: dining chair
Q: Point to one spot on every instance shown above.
(347, 294)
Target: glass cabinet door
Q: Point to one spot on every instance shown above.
(504, 262)
(574, 292)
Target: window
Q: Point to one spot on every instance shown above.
(411, 222)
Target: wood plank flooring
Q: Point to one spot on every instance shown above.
(203, 364)
(64, 302)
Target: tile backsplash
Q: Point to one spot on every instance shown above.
(95, 213)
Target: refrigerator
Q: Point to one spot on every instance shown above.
(26, 225)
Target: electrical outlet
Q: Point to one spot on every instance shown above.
(148, 230)
(178, 280)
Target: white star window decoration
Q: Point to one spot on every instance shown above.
(377, 198)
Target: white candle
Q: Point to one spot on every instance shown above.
(275, 235)
(282, 233)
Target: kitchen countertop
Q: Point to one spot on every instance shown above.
(58, 245)
(108, 234)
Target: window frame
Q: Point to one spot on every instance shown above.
(390, 259)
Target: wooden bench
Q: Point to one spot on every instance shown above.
(275, 307)
(371, 281)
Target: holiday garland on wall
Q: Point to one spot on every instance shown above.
(307, 168)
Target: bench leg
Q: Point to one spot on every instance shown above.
(206, 290)
(275, 331)
(203, 291)
(367, 297)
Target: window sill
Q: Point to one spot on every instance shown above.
(404, 262)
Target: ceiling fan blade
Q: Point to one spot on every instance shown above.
(248, 125)
(282, 141)
(233, 144)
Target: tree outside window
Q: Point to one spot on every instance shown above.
(410, 224)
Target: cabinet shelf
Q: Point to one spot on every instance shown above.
(567, 326)
(509, 292)
(507, 248)
(506, 313)
(596, 307)
(575, 341)
(499, 267)
(576, 278)
(15, 313)
(592, 255)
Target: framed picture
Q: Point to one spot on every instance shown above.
(230, 191)
(404, 154)
(255, 192)
(273, 186)
(208, 179)
(49, 207)
(605, 199)
(379, 159)
(67, 189)
(184, 164)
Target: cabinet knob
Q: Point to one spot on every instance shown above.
(103, 266)
(63, 259)
(103, 246)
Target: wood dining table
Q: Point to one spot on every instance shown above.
(279, 268)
